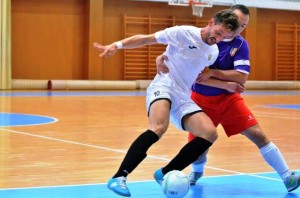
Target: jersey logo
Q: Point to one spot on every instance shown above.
(209, 57)
(250, 117)
(192, 47)
(237, 43)
(233, 51)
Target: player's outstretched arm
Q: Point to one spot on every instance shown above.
(106, 50)
(132, 42)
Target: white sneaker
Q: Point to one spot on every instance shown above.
(291, 181)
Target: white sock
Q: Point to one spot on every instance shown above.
(274, 158)
(199, 164)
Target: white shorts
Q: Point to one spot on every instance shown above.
(162, 87)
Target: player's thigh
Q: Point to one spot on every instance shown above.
(159, 113)
(158, 103)
(211, 105)
(236, 116)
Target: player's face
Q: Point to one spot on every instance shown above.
(243, 19)
(216, 33)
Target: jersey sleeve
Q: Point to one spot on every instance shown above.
(168, 36)
(241, 59)
(177, 35)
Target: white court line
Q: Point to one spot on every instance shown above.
(122, 151)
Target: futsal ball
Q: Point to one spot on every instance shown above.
(175, 184)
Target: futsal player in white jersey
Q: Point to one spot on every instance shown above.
(190, 50)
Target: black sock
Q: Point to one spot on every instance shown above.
(136, 153)
(187, 155)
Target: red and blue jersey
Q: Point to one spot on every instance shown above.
(233, 54)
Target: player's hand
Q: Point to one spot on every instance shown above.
(160, 65)
(234, 87)
(107, 50)
(204, 75)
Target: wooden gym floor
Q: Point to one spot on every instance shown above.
(69, 143)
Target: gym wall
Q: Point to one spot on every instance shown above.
(52, 39)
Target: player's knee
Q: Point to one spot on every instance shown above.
(257, 136)
(212, 134)
(261, 141)
(159, 129)
(209, 133)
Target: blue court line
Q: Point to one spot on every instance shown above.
(271, 92)
(117, 93)
(17, 119)
(284, 106)
(240, 186)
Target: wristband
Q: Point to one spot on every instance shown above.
(119, 44)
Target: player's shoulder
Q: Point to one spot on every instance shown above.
(184, 27)
(241, 39)
(214, 50)
(188, 28)
(240, 43)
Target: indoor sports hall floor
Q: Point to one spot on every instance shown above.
(66, 144)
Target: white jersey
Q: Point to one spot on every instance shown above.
(187, 53)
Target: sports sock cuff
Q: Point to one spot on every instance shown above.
(198, 167)
(267, 148)
(199, 164)
(151, 135)
(203, 141)
(144, 141)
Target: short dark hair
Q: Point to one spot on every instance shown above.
(242, 8)
(228, 19)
